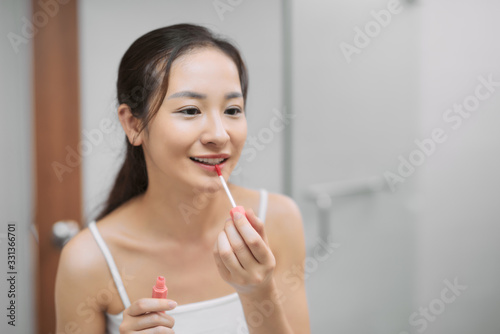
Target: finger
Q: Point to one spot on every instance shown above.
(257, 224)
(227, 255)
(218, 261)
(145, 305)
(240, 248)
(251, 217)
(157, 330)
(252, 238)
(152, 320)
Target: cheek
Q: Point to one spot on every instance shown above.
(240, 136)
(172, 137)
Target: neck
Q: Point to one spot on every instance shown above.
(181, 213)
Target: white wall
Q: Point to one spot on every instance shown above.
(459, 228)
(107, 28)
(16, 191)
(353, 120)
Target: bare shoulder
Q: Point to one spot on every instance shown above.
(284, 225)
(283, 212)
(81, 274)
(81, 260)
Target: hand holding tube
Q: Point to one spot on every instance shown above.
(149, 313)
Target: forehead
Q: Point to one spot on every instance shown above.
(203, 69)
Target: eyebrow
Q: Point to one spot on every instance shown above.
(195, 95)
(233, 95)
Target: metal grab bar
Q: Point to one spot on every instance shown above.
(345, 188)
(322, 194)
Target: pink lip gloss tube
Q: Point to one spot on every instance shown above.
(160, 289)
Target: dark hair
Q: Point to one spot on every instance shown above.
(142, 84)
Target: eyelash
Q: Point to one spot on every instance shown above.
(238, 111)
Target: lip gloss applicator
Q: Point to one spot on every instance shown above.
(236, 208)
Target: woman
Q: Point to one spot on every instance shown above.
(182, 94)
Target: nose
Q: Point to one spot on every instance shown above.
(214, 131)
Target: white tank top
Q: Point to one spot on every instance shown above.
(223, 315)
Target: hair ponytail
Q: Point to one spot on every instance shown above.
(132, 179)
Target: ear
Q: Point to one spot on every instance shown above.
(131, 125)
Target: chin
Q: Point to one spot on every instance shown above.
(208, 185)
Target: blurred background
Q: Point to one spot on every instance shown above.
(388, 140)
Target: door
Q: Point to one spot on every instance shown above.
(56, 143)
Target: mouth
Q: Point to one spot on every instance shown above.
(209, 162)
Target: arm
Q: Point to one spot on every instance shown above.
(286, 238)
(75, 288)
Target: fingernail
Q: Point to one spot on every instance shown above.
(237, 215)
(172, 304)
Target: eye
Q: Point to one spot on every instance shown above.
(189, 111)
(233, 111)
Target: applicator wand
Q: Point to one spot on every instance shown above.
(236, 208)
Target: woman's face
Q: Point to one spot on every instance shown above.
(202, 114)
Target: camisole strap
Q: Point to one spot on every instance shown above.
(263, 205)
(111, 263)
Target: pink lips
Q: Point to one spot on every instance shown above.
(213, 156)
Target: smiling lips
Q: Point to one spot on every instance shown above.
(211, 160)
(208, 162)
